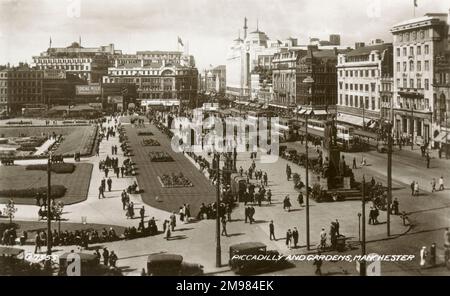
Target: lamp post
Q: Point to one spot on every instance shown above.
(310, 82)
(412, 127)
(362, 266)
(218, 248)
(389, 177)
(359, 227)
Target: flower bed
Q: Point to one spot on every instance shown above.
(59, 168)
(57, 191)
(174, 181)
(145, 134)
(160, 156)
(150, 142)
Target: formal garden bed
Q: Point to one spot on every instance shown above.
(59, 168)
(57, 191)
(21, 183)
(174, 181)
(160, 156)
(146, 133)
(69, 140)
(150, 142)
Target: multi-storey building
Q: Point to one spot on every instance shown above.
(417, 43)
(306, 79)
(244, 56)
(363, 84)
(89, 64)
(441, 85)
(160, 77)
(213, 80)
(21, 87)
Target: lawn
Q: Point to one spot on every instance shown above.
(170, 199)
(17, 177)
(76, 138)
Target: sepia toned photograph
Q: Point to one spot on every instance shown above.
(224, 138)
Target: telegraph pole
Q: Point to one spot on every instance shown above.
(307, 185)
(389, 179)
(362, 265)
(218, 248)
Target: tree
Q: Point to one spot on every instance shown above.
(10, 210)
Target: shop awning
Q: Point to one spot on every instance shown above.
(441, 137)
(320, 112)
(279, 106)
(351, 119)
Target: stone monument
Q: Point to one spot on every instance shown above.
(331, 154)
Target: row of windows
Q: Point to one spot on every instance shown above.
(19, 91)
(358, 73)
(27, 75)
(358, 87)
(407, 36)
(53, 61)
(66, 67)
(418, 50)
(411, 66)
(411, 84)
(357, 102)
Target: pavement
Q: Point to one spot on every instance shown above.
(429, 214)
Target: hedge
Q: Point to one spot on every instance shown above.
(59, 168)
(57, 191)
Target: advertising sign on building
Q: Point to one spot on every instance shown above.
(115, 99)
(88, 90)
(54, 74)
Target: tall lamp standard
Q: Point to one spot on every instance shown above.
(310, 82)
(412, 126)
(49, 212)
(218, 248)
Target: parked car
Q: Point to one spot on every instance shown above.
(171, 264)
(250, 266)
(382, 148)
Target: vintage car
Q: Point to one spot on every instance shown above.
(251, 265)
(89, 265)
(171, 264)
(382, 148)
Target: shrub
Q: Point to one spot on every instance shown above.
(145, 134)
(59, 168)
(57, 191)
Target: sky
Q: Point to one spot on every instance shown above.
(208, 26)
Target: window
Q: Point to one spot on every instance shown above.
(373, 103)
(419, 83)
(404, 82)
(356, 101)
(340, 99)
(398, 66)
(419, 50)
(427, 65)
(426, 84)
(361, 73)
(361, 103)
(372, 86)
(398, 52)
(346, 86)
(361, 87)
(404, 66)
(373, 73)
(351, 101)
(398, 82)
(411, 83)
(351, 75)
(419, 66)
(340, 85)
(367, 87)
(346, 100)
(411, 65)
(367, 73)
(404, 51)
(351, 86)
(427, 49)
(411, 51)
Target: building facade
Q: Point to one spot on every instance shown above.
(417, 43)
(306, 79)
(89, 64)
(21, 87)
(364, 77)
(160, 77)
(441, 85)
